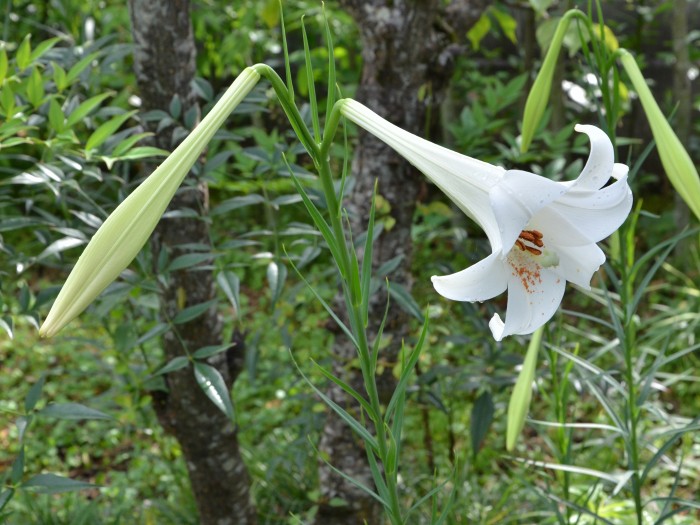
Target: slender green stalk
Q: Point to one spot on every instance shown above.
(629, 349)
(349, 271)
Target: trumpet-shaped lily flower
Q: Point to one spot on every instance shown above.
(542, 233)
(120, 238)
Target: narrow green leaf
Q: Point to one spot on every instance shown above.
(56, 118)
(17, 471)
(34, 394)
(311, 84)
(107, 129)
(405, 300)
(158, 330)
(82, 111)
(72, 411)
(35, 88)
(129, 142)
(522, 392)
(189, 260)
(142, 152)
(5, 497)
(175, 364)
(192, 312)
(75, 71)
(344, 415)
(59, 77)
(208, 351)
(23, 57)
(349, 479)
(481, 418)
(366, 277)
(276, 277)
(330, 101)
(3, 65)
(348, 389)
(328, 309)
(406, 372)
(43, 47)
(287, 64)
(53, 484)
(230, 284)
(7, 324)
(479, 30)
(213, 385)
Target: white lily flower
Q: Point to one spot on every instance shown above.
(542, 233)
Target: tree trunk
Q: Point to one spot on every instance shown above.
(408, 49)
(164, 61)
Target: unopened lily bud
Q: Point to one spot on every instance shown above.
(677, 163)
(120, 238)
(538, 98)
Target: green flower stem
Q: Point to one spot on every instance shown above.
(629, 347)
(353, 300)
(349, 273)
(290, 108)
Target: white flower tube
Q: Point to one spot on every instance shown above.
(542, 233)
(120, 238)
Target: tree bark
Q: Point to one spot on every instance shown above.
(164, 61)
(408, 54)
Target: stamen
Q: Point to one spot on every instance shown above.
(532, 237)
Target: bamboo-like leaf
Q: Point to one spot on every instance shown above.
(366, 277)
(344, 415)
(330, 100)
(311, 84)
(53, 484)
(325, 305)
(84, 109)
(75, 71)
(350, 480)
(34, 394)
(72, 411)
(285, 49)
(348, 389)
(176, 363)
(106, 130)
(192, 312)
(230, 284)
(406, 372)
(213, 385)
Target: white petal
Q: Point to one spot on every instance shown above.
(620, 170)
(516, 198)
(534, 294)
(582, 217)
(481, 281)
(463, 179)
(599, 166)
(497, 326)
(577, 264)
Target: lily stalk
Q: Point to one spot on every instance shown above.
(542, 233)
(127, 229)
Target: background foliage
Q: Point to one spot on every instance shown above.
(71, 140)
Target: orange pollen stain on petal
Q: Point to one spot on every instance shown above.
(525, 269)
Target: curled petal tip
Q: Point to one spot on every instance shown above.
(497, 327)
